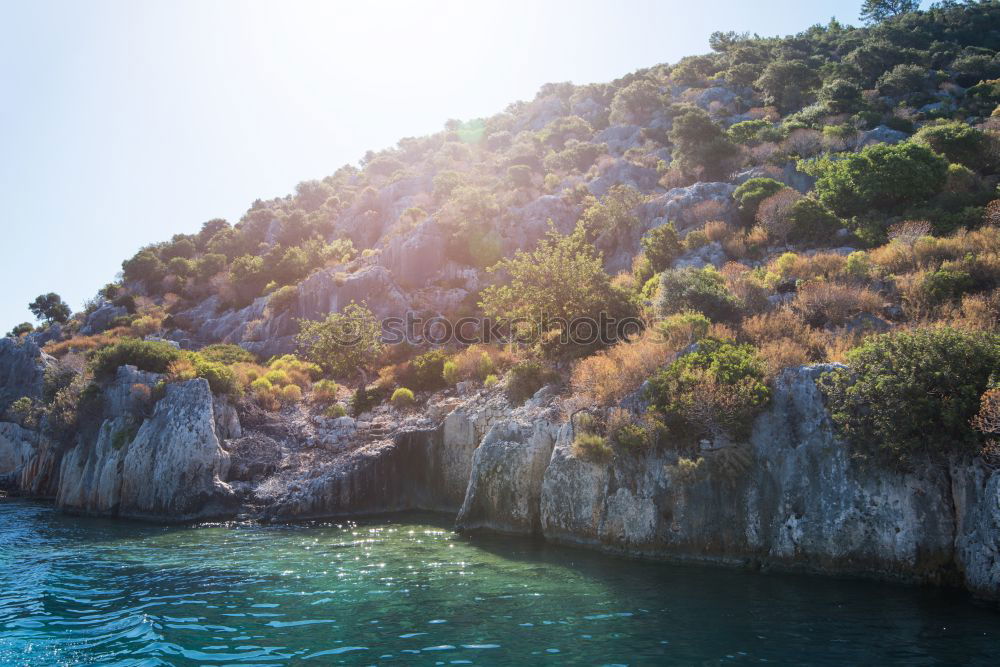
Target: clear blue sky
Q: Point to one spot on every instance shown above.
(126, 121)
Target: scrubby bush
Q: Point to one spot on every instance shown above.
(23, 411)
(703, 290)
(787, 84)
(681, 329)
(592, 447)
(945, 285)
(402, 397)
(425, 372)
(283, 299)
(524, 379)
(152, 356)
(958, 142)
(325, 392)
(345, 343)
(605, 378)
(912, 394)
(714, 391)
(662, 246)
(701, 148)
(227, 353)
(450, 373)
(811, 223)
(821, 302)
(884, 177)
(335, 411)
(749, 194)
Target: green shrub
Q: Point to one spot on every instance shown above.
(958, 142)
(325, 391)
(912, 394)
(425, 372)
(227, 353)
(23, 411)
(402, 397)
(152, 356)
(811, 222)
(715, 391)
(945, 285)
(703, 290)
(681, 329)
(221, 378)
(883, 177)
(450, 372)
(662, 246)
(525, 378)
(490, 380)
(751, 193)
(695, 239)
(592, 447)
(283, 299)
(335, 411)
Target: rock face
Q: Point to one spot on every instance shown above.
(506, 482)
(169, 468)
(791, 498)
(22, 365)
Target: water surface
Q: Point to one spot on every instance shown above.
(408, 589)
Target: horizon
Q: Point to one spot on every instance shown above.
(134, 123)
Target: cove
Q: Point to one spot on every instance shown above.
(406, 588)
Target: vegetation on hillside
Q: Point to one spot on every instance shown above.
(859, 214)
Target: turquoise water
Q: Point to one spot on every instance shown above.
(408, 589)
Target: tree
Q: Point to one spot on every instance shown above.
(20, 329)
(560, 281)
(345, 344)
(840, 96)
(787, 83)
(50, 307)
(701, 147)
(877, 11)
(145, 267)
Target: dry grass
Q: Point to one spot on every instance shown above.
(609, 376)
(981, 312)
(718, 231)
(79, 344)
(790, 266)
(476, 362)
(822, 302)
(782, 354)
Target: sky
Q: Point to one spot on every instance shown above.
(123, 122)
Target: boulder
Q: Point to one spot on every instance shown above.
(101, 318)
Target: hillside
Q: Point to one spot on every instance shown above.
(717, 224)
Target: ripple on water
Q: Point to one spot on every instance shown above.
(75, 590)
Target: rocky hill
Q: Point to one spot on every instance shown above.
(735, 227)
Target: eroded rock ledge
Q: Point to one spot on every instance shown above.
(790, 498)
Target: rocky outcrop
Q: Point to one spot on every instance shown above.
(792, 498)
(168, 468)
(506, 478)
(22, 366)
